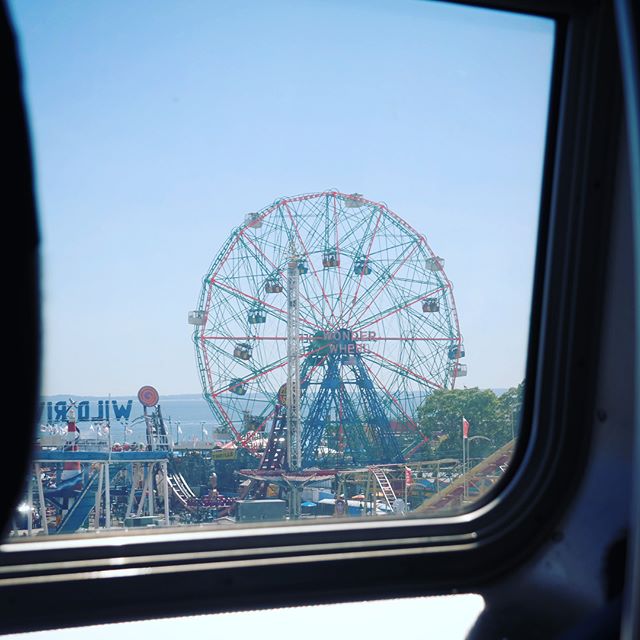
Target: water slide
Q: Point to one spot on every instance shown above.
(77, 515)
(81, 508)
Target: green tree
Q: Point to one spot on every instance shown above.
(511, 410)
(491, 416)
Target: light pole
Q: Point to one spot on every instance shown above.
(467, 457)
(513, 429)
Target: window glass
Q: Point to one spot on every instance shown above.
(287, 254)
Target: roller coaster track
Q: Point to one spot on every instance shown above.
(274, 456)
(81, 507)
(384, 484)
(180, 488)
(479, 479)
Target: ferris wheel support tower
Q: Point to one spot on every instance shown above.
(294, 450)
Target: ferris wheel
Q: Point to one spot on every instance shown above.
(378, 324)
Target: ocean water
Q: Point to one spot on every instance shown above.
(187, 417)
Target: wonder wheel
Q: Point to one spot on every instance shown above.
(378, 327)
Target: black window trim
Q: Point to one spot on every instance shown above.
(117, 577)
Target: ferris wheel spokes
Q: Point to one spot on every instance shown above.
(369, 351)
(279, 270)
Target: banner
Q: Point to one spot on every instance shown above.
(224, 454)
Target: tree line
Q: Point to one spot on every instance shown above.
(495, 417)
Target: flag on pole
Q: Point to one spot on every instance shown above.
(465, 427)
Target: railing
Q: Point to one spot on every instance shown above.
(83, 444)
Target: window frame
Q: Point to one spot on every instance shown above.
(168, 573)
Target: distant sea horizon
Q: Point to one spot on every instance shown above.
(187, 416)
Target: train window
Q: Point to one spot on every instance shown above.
(338, 374)
(321, 293)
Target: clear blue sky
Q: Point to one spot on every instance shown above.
(157, 124)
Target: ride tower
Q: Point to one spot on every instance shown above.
(294, 430)
(345, 410)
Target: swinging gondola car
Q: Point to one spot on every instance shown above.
(354, 201)
(430, 305)
(196, 317)
(361, 266)
(273, 285)
(330, 259)
(257, 315)
(456, 351)
(242, 351)
(238, 386)
(250, 422)
(253, 220)
(435, 263)
(458, 370)
(303, 267)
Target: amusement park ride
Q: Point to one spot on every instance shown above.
(343, 295)
(328, 319)
(324, 322)
(554, 552)
(87, 481)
